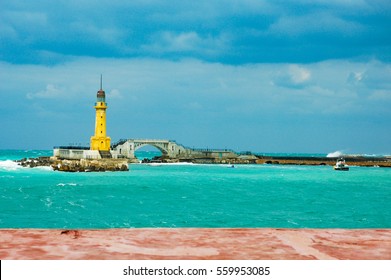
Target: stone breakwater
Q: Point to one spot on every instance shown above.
(282, 160)
(80, 165)
(350, 160)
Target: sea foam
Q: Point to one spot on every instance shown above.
(45, 168)
(66, 184)
(334, 154)
(9, 165)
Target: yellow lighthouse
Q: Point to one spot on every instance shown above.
(100, 141)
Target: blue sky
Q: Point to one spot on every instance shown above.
(266, 76)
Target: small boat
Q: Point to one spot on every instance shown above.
(341, 165)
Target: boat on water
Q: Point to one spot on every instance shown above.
(341, 165)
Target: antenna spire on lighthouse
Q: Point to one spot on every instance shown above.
(100, 81)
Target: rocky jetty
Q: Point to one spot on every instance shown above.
(282, 160)
(86, 165)
(35, 162)
(80, 165)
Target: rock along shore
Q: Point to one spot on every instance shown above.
(80, 165)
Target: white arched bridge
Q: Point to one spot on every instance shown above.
(126, 148)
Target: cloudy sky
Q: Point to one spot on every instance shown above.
(265, 76)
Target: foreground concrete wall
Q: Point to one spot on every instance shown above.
(196, 243)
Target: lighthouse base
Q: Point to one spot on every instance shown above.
(100, 143)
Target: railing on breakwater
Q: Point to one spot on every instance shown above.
(119, 142)
(71, 147)
(205, 150)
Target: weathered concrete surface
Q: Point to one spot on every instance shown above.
(195, 243)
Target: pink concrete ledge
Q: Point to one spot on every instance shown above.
(195, 243)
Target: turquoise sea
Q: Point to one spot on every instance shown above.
(189, 195)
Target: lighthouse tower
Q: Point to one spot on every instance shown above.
(100, 141)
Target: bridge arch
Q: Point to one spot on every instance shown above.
(125, 148)
(156, 145)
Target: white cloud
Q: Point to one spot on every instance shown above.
(337, 3)
(97, 32)
(185, 42)
(51, 91)
(297, 25)
(189, 41)
(299, 75)
(355, 77)
(25, 19)
(293, 76)
(114, 93)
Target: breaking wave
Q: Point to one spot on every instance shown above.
(9, 165)
(66, 184)
(335, 154)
